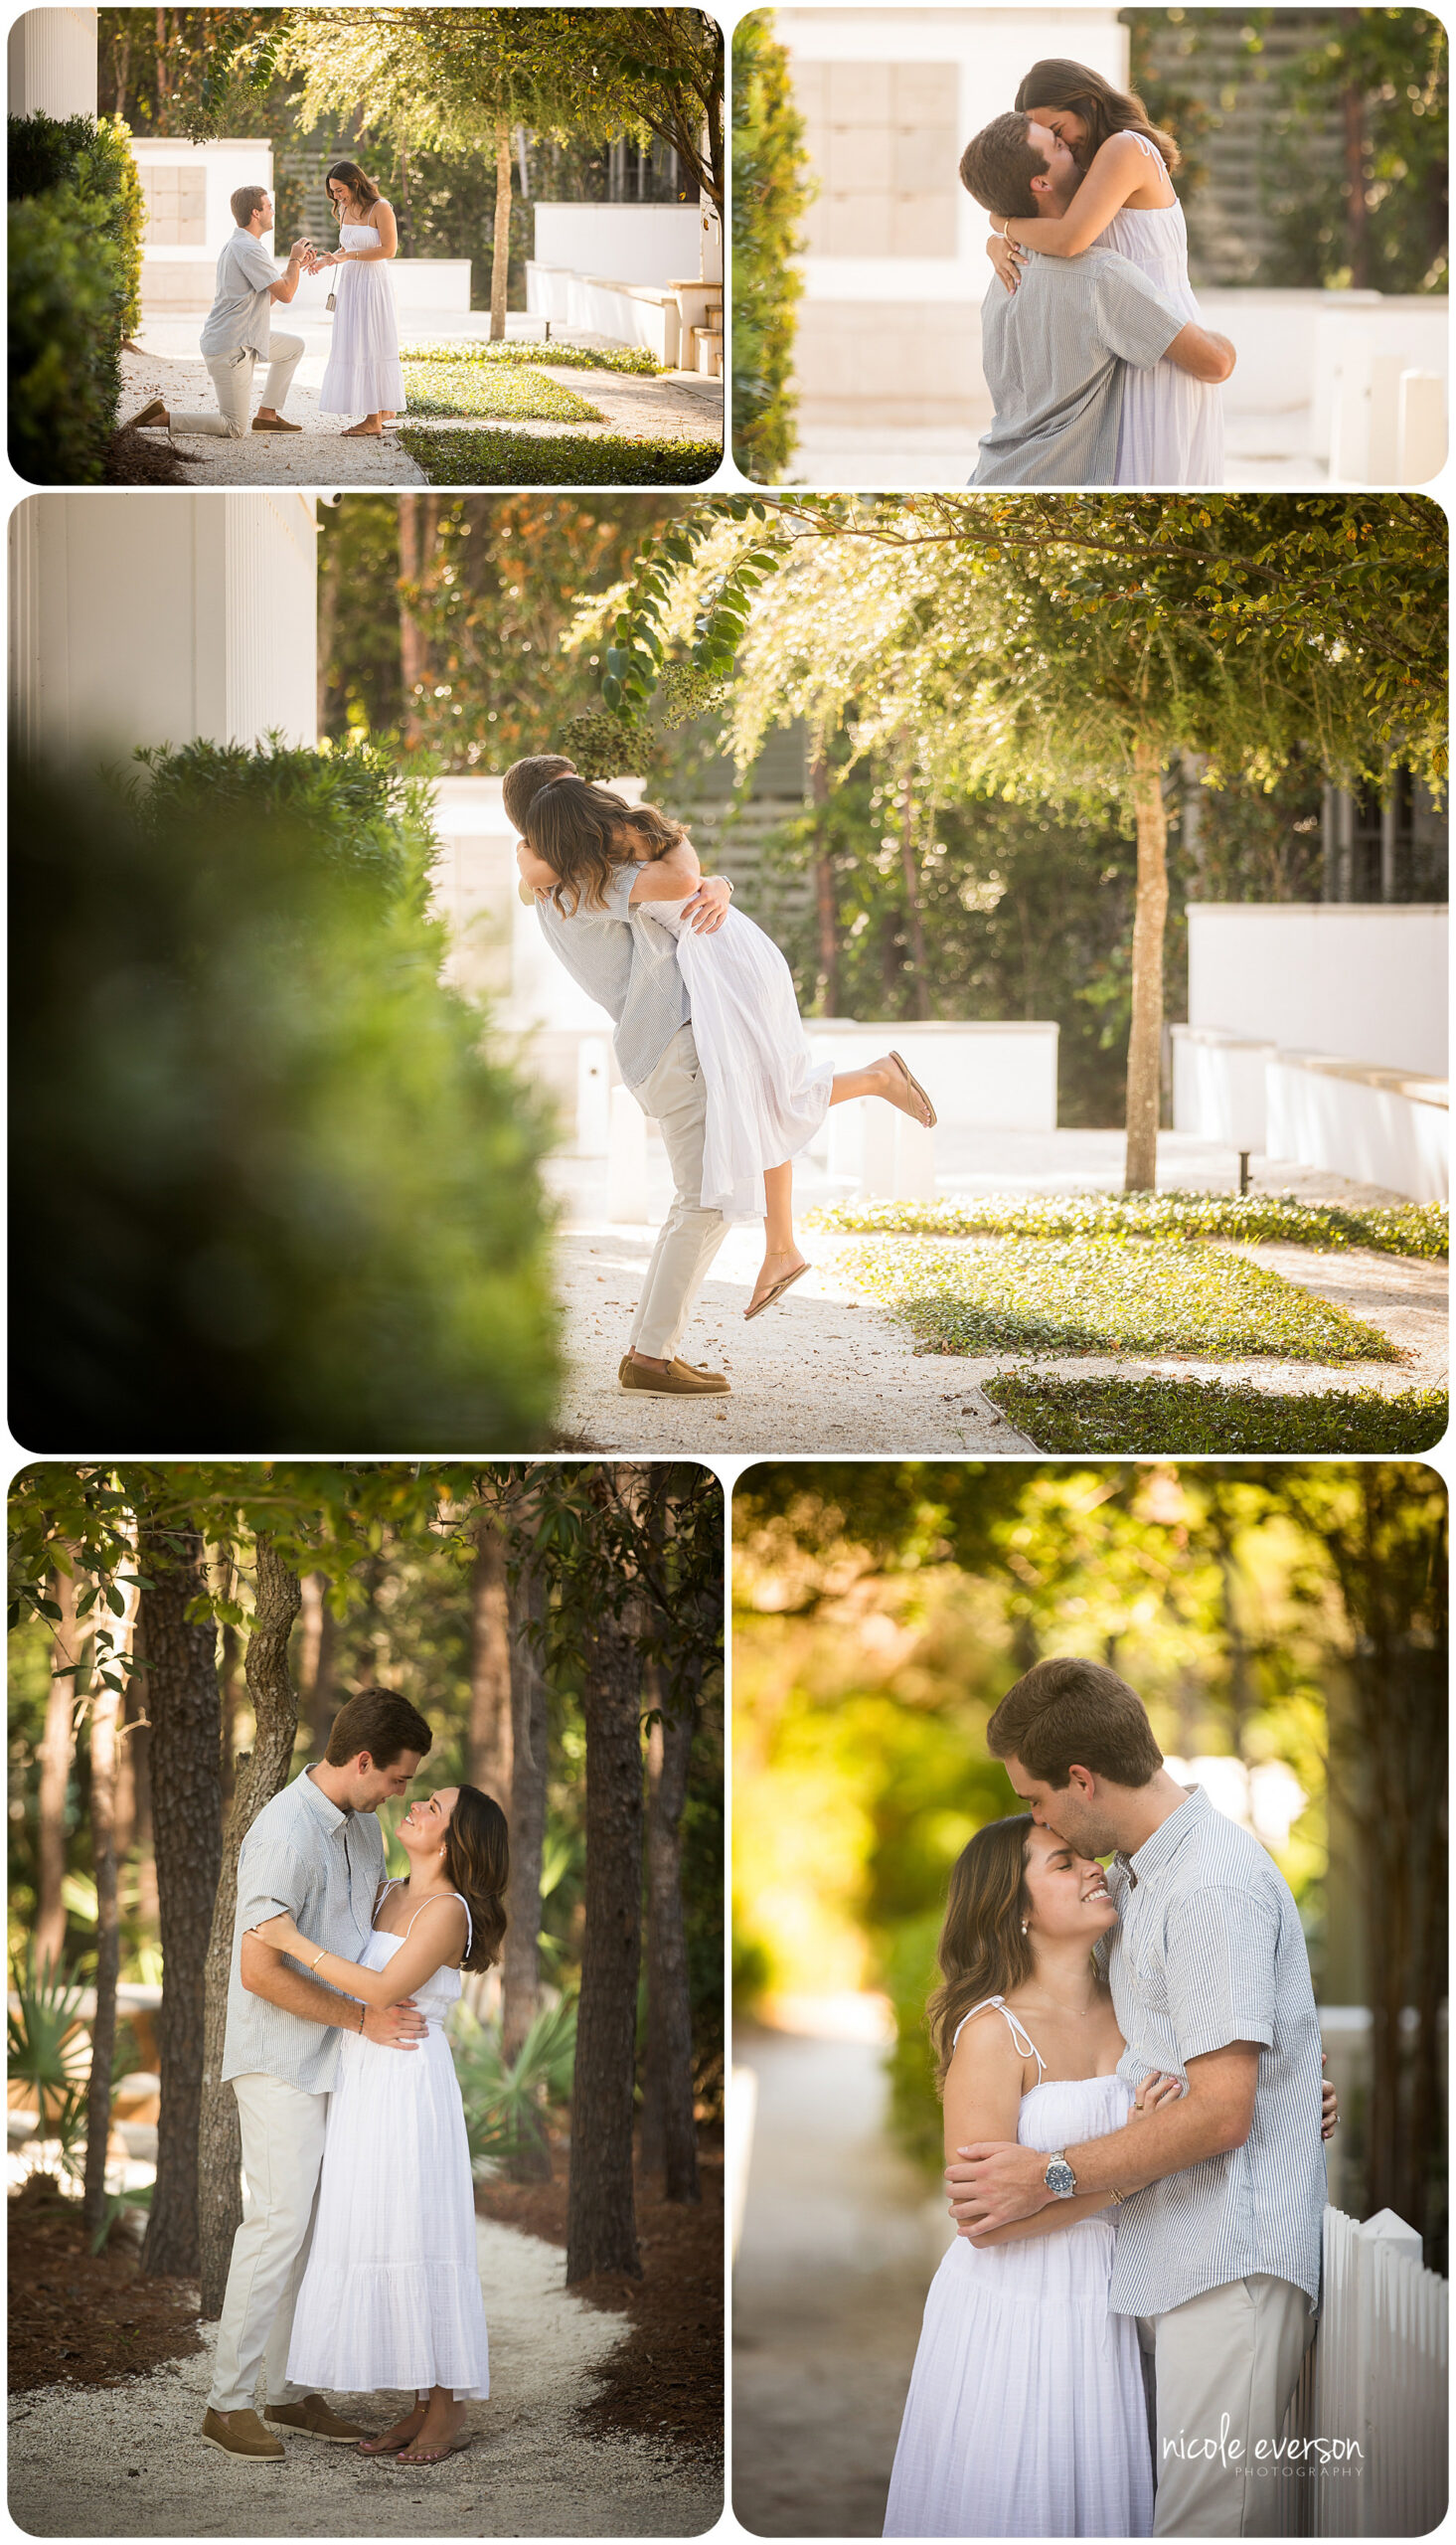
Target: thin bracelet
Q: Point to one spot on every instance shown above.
(318, 1956)
(362, 2012)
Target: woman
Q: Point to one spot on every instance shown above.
(1027, 2415)
(766, 1098)
(1172, 428)
(391, 2296)
(362, 368)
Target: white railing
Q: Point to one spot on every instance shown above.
(1369, 2416)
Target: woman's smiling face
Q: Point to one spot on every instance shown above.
(1068, 125)
(428, 1817)
(1068, 1893)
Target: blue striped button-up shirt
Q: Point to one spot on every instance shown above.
(1209, 1951)
(629, 964)
(324, 1867)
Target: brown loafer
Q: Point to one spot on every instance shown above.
(154, 414)
(679, 1379)
(312, 2419)
(241, 2435)
(274, 424)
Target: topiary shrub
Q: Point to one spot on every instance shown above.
(772, 188)
(74, 290)
(268, 1190)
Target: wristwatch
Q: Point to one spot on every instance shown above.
(1059, 2179)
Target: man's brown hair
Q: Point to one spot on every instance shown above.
(523, 780)
(382, 1723)
(245, 202)
(1067, 1714)
(998, 165)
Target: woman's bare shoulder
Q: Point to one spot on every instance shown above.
(985, 2040)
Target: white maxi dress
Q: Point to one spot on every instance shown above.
(391, 2297)
(766, 1097)
(1172, 428)
(362, 376)
(1026, 2414)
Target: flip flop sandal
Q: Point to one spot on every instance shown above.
(432, 2455)
(373, 2447)
(777, 1291)
(914, 1083)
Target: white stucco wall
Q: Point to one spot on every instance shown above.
(52, 63)
(653, 243)
(141, 615)
(1361, 981)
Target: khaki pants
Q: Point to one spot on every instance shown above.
(231, 378)
(675, 1098)
(1226, 2366)
(283, 2151)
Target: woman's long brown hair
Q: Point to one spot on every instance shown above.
(982, 1951)
(1074, 89)
(478, 1862)
(362, 188)
(582, 832)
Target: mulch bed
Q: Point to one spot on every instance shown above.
(665, 2380)
(80, 2318)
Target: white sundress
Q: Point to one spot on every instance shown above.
(1026, 2414)
(362, 376)
(766, 1097)
(1172, 428)
(391, 2297)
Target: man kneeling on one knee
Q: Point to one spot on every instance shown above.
(238, 336)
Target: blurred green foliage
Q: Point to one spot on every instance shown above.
(1421, 1229)
(772, 189)
(1217, 1417)
(74, 290)
(488, 455)
(268, 1188)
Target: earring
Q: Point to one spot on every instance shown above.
(1024, 1926)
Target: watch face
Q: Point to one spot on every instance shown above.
(1059, 2178)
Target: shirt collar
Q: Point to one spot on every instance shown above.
(1166, 1838)
(317, 1802)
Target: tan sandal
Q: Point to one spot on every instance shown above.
(930, 1118)
(776, 1290)
(412, 2455)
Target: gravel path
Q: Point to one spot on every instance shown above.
(126, 2461)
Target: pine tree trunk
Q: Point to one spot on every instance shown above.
(318, 1645)
(488, 1742)
(1357, 210)
(418, 518)
(500, 267)
(520, 1959)
(276, 1602)
(58, 1746)
(105, 1711)
(824, 893)
(1145, 1040)
(186, 1738)
(669, 2132)
(601, 2226)
(914, 913)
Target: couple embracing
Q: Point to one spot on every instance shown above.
(354, 2267)
(1134, 2121)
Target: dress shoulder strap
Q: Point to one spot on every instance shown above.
(451, 1895)
(1149, 148)
(1019, 2033)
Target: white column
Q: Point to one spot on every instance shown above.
(52, 62)
(141, 616)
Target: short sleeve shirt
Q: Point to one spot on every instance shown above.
(629, 965)
(1209, 1951)
(324, 1867)
(238, 321)
(1052, 353)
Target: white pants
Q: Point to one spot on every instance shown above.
(674, 1097)
(231, 378)
(1227, 2364)
(283, 2151)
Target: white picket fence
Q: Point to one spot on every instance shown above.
(1376, 2376)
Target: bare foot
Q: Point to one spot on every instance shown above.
(896, 1090)
(441, 2427)
(398, 2436)
(774, 1268)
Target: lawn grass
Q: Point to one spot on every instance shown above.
(1192, 1417)
(1250, 1219)
(1106, 1294)
(503, 354)
(493, 455)
(517, 396)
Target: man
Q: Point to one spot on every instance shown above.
(237, 334)
(1054, 350)
(1218, 2235)
(315, 1851)
(629, 965)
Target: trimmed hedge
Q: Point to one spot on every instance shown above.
(484, 455)
(502, 353)
(268, 1190)
(74, 279)
(772, 188)
(1214, 1418)
(1419, 1229)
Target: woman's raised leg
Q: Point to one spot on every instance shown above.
(890, 1079)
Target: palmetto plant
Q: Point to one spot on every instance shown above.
(48, 2051)
(503, 2097)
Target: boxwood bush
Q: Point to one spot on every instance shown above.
(494, 455)
(268, 1190)
(772, 188)
(75, 277)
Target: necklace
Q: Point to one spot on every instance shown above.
(1077, 2013)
